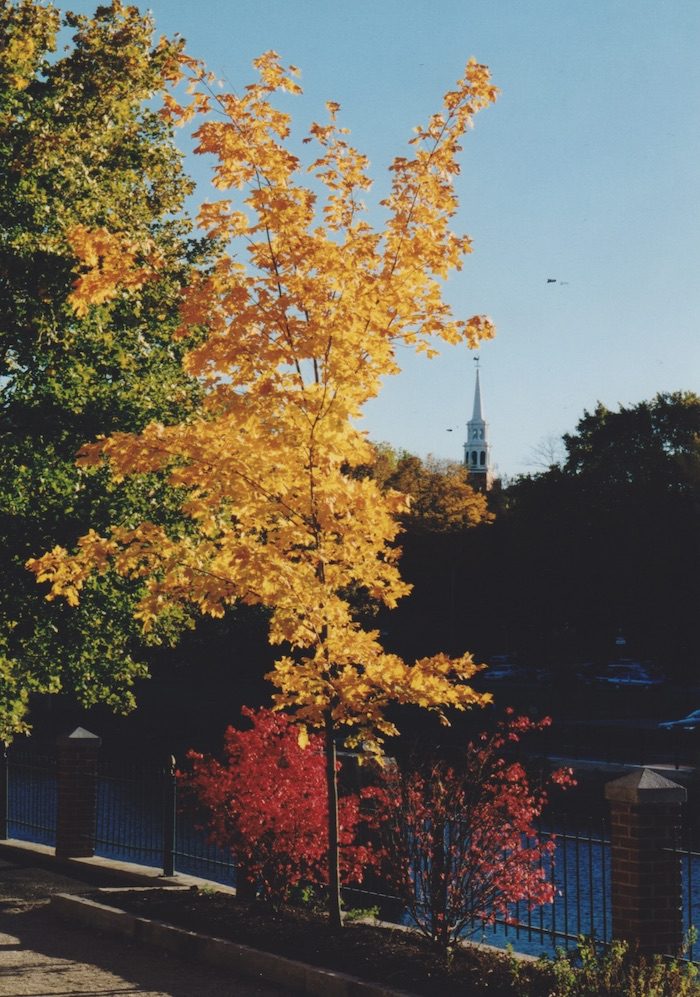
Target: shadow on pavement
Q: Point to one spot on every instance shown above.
(42, 955)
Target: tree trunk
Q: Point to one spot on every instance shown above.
(245, 886)
(438, 886)
(334, 902)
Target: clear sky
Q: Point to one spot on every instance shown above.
(585, 171)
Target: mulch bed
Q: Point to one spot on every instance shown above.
(392, 957)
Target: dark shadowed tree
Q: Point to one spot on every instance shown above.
(606, 541)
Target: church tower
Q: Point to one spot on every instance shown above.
(477, 452)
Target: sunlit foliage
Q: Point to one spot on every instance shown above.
(302, 319)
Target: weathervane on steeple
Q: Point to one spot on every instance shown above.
(477, 452)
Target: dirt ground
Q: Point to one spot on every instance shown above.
(42, 956)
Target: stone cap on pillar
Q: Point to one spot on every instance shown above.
(645, 786)
(79, 738)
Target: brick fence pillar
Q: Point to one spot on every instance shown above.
(645, 814)
(77, 794)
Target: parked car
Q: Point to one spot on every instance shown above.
(624, 674)
(500, 667)
(498, 673)
(691, 722)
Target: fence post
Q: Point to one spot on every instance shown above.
(77, 794)
(4, 792)
(645, 814)
(169, 818)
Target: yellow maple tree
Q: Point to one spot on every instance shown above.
(295, 326)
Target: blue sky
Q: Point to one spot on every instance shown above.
(586, 171)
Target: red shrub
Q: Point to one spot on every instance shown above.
(459, 842)
(267, 802)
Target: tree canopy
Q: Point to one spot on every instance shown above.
(607, 541)
(650, 444)
(296, 341)
(301, 320)
(441, 500)
(81, 150)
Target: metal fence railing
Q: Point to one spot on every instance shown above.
(28, 795)
(687, 842)
(579, 871)
(140, 819)
(130, 812)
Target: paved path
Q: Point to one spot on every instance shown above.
(42, 956)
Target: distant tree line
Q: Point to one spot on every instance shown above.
(603, 542)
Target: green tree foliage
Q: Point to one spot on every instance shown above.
(80, 146)
(652, 444)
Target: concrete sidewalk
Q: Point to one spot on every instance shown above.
(41, 956)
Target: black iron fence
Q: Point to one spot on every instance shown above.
(138, 814)
(140, 819)
(687, 842)
(28, 795)
(131, 813)
(579, 871)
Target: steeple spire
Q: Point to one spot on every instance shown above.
(477, 414)
(477, 452)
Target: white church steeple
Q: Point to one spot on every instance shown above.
(477, 451)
